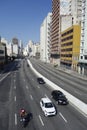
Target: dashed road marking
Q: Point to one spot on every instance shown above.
(41, 120)
(26, 87)
(24, 80)
(14, 87)
(15, 98)
(62, 117)
(46, 96)
(31, 97)
(15, 119)
(38, 86)
(14, 80)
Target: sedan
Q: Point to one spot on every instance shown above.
(40, 80)
(47, 107)
(59, 97)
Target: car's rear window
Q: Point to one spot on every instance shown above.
(48, 105)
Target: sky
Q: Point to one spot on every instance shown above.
(23, 18)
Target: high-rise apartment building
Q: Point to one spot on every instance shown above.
(59, 7)
(83, 44)
(70, 37)
(15, 47)
(75, 9)
(55, 30)
(45, 39)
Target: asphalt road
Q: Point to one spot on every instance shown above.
(72, 83)
(19, 89)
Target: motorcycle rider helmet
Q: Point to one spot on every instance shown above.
(22, 110)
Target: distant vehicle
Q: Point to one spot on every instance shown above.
(27, 65)
(59, 97)
(47, 107)
(40, 80)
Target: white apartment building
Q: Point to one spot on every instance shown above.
(36, 50)
(30, 48)
(45, 39)
(9, 49)
(75, 8)
(65, 22)
(83, 45)
(25, 50)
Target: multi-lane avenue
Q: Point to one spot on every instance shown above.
(19, 89)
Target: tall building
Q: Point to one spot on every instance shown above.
(15, 48)
(59, 7)
(75, 9)
(55, 31)
(70, 37)
(83, 44)
(70, 47)
(45, 39)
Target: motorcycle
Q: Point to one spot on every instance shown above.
(25, 119)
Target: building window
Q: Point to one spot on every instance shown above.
(85, 57)
(1, 52)
(81, 57)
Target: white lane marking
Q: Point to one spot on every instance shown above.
(62, 117)
(31, 97)
(46, 96)
(41, 120)
(24, 80)
(4, 76)
(14, 80)
(26, 87)
(14, 87)
(15, 98)
(38, 86)
(15, 119)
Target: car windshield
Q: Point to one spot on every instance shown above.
(61, 95)
(48, 105)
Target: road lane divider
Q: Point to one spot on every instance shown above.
(15, 98)
(78, 104)
(38, 86)
(62, 117)
(15, 119)
(41, 120)
(14, 87)
(26, 87)
(31, 97)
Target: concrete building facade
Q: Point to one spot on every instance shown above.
(55, 31)
(75, 9)
(70, 47)
(83, 44)
(45, 39)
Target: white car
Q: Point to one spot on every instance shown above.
(47, 107)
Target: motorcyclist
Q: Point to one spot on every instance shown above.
(23, 113)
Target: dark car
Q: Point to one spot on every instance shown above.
(40, 80)
(59, 97)
(27, 65)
